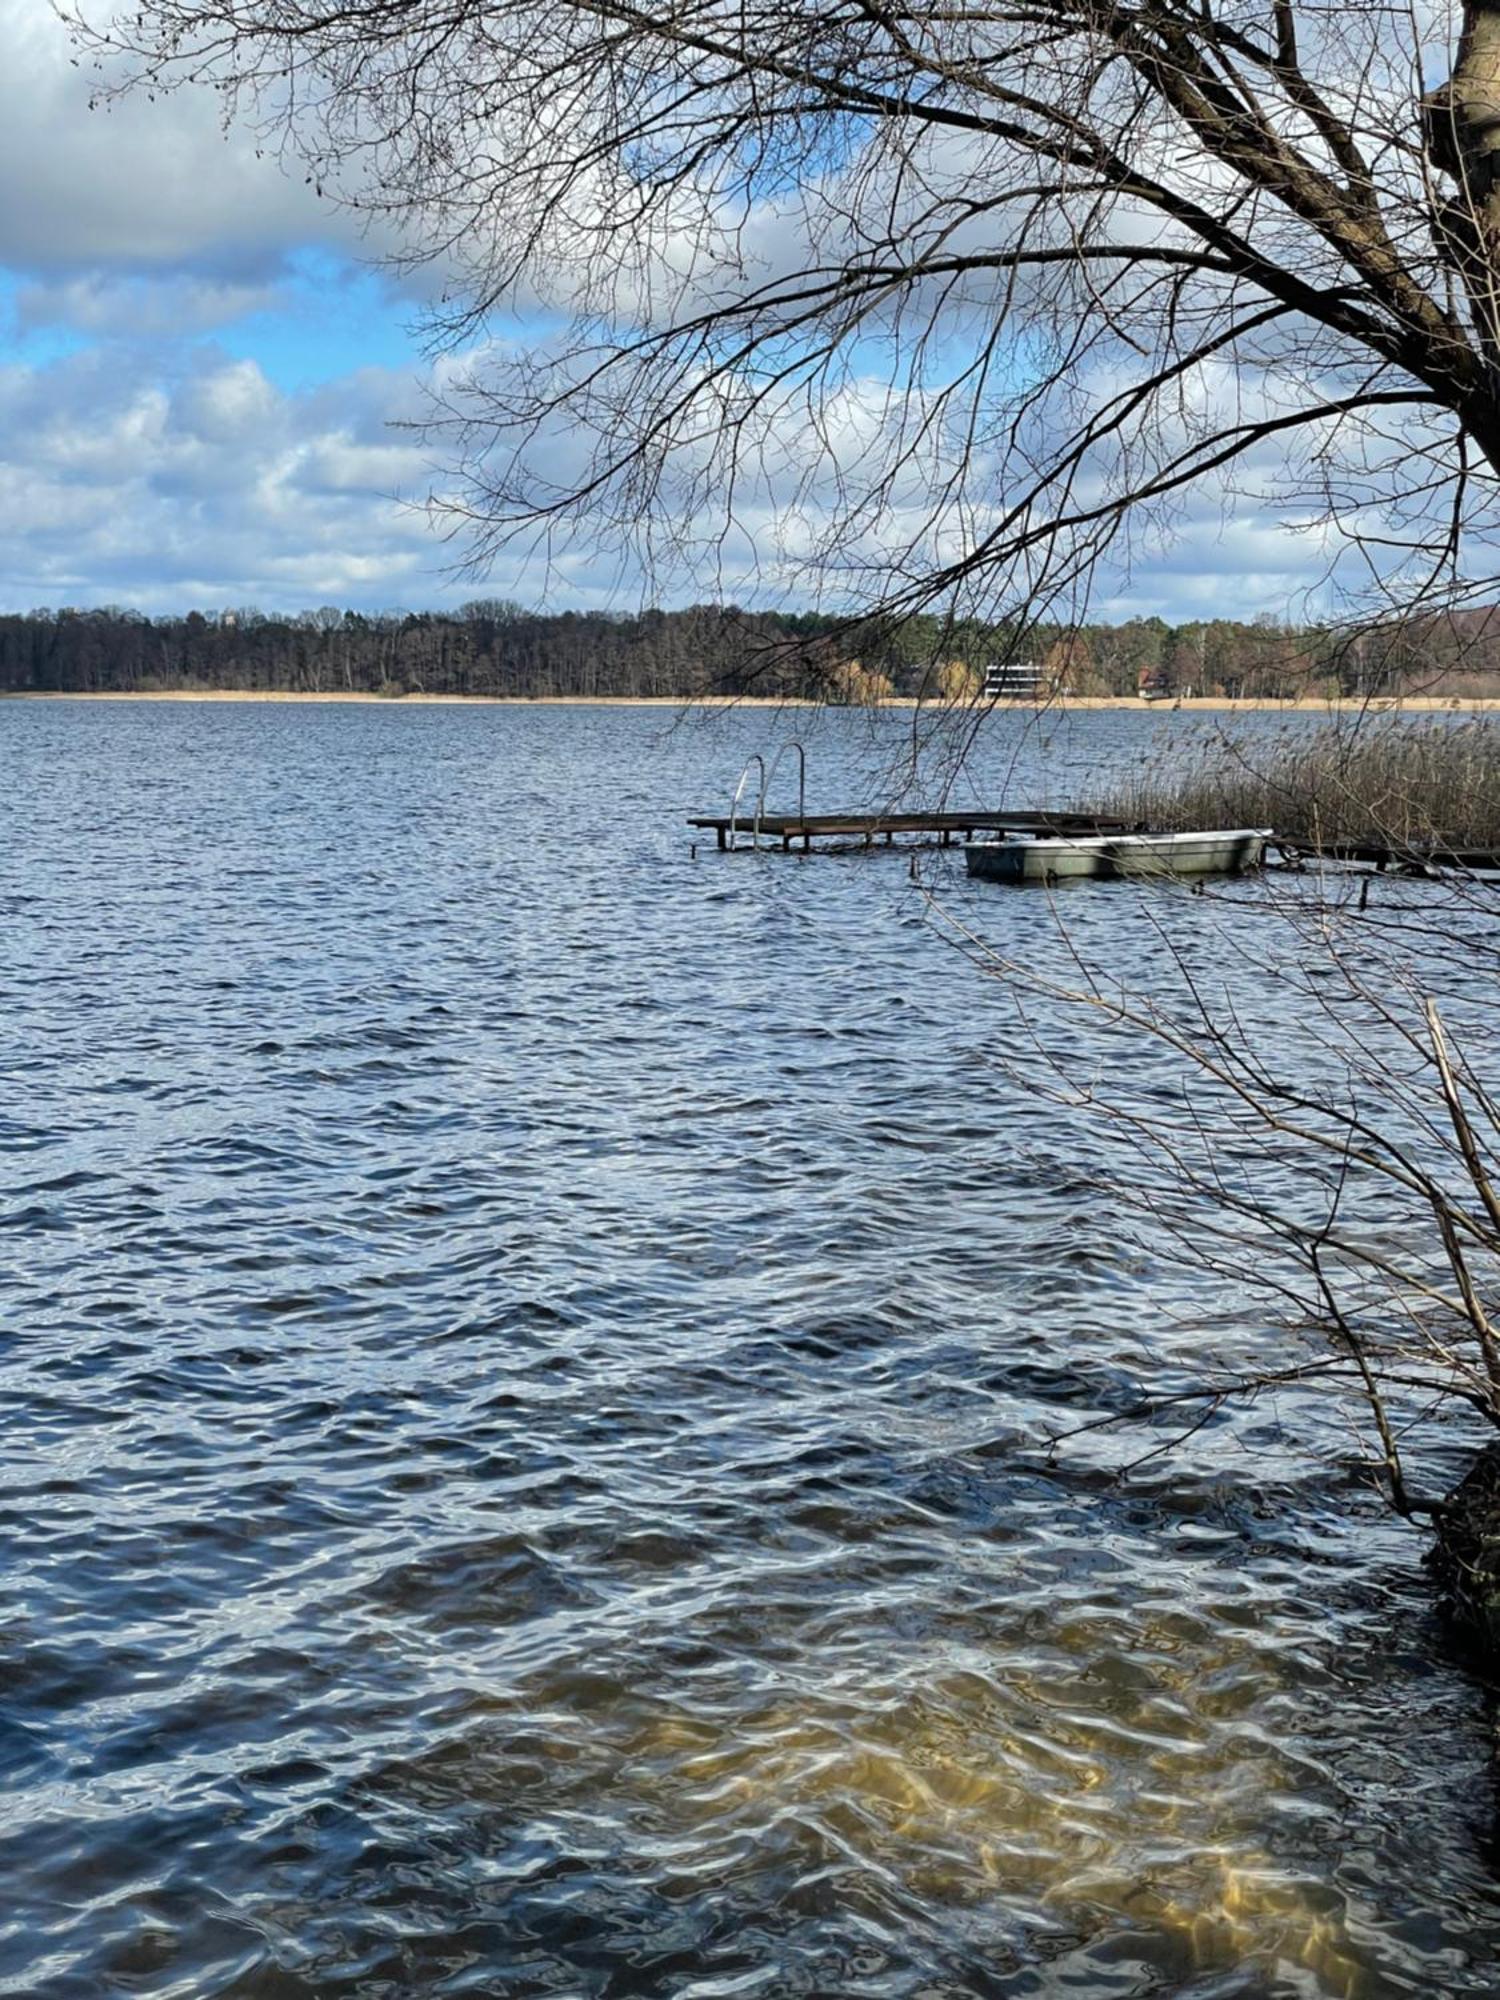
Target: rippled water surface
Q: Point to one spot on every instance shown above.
(525, 1366)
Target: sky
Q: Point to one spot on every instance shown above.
(207, 380)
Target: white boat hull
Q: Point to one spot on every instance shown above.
(1111, 855)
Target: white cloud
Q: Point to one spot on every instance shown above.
(140, 185)
(212, 489)
(214, 486)
(232, 407)
(166, 305)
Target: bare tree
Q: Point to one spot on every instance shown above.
(924, 305)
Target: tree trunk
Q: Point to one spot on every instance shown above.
(1462, 121)
(1466, 1558)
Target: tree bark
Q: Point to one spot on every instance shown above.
(1462, 124)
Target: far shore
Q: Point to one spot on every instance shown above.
(1421, 704)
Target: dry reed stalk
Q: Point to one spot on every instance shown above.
(1404, 785)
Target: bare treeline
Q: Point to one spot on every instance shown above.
(493, 647)
(488, 649)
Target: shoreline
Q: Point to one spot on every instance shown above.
(1200, 704)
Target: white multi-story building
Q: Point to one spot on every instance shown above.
(1017, 680)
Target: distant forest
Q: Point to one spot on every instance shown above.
(498, 648)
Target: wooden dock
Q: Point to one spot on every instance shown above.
(786, 830)
(1420, 858)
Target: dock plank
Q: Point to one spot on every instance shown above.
(866, 826)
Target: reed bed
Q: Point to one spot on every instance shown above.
(1361, 782)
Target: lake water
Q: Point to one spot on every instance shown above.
(525, 1361)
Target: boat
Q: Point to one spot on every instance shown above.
(1110, 855)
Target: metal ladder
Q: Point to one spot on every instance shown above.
(766, 777)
